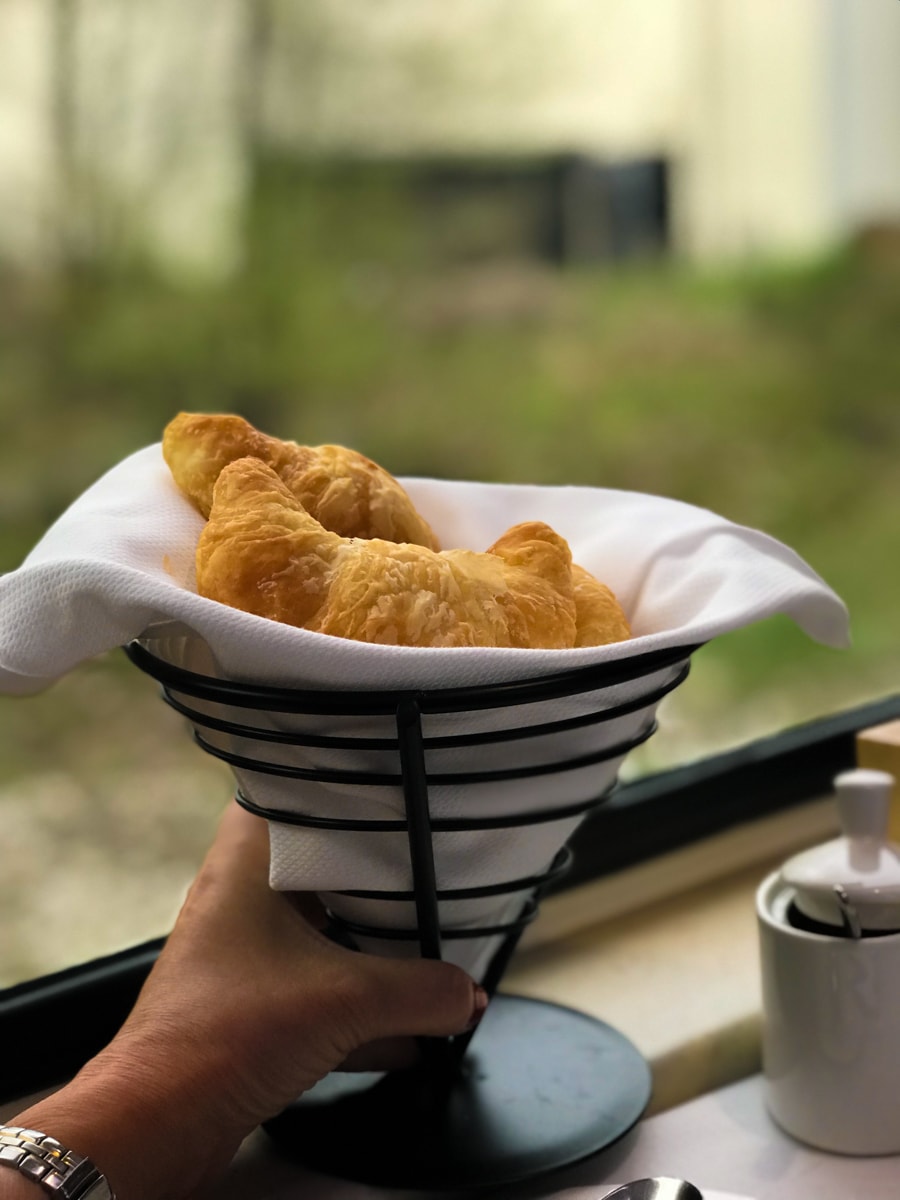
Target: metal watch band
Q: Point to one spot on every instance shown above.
(60, 1172)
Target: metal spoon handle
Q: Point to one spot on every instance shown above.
(658, 1188)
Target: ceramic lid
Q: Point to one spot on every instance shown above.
(853, 882)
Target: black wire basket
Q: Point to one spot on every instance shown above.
(498, 1108)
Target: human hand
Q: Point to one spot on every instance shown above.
(248, 1006)
(250, 972)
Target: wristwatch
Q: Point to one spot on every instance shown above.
(60, 1172)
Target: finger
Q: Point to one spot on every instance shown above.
(241, 852)
(235, 871)
(420, 998)
(242, 840)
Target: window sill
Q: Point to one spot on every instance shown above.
(666, 952)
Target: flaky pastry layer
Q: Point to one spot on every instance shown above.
(323, 538)
(345, 491)
(262, 552)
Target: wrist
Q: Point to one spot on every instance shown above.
(145, 1121)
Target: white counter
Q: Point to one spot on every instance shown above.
(724, 1142)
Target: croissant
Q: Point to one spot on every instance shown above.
(262, 552)
(345, 491)
(599, 618)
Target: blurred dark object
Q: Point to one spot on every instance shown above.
(567, 210)
(614, 211)
(562, 210)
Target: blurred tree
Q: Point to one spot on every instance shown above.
(65, 15)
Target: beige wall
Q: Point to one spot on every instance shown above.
(792, 130)
(159, 98)
(27, 174)
(158, 148)
(864, 103)
(501, 76)
(779, 116)
(754, 175)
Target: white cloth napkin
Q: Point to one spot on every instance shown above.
(118, 565)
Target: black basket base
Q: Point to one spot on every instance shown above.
(541, 1087)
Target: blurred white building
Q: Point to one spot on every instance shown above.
(779, 121)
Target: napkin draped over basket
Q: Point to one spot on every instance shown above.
(118, 566)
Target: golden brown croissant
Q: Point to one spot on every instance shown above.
(345, 491)
(599, 618)
(262, 552)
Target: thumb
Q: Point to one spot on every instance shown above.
(421, 998)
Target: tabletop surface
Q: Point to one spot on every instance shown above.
(724, 1141)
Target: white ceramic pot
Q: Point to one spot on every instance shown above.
(831, 1031)
(829, 931)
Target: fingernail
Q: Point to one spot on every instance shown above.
(479, 1004)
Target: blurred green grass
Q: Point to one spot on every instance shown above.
(769, 395)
